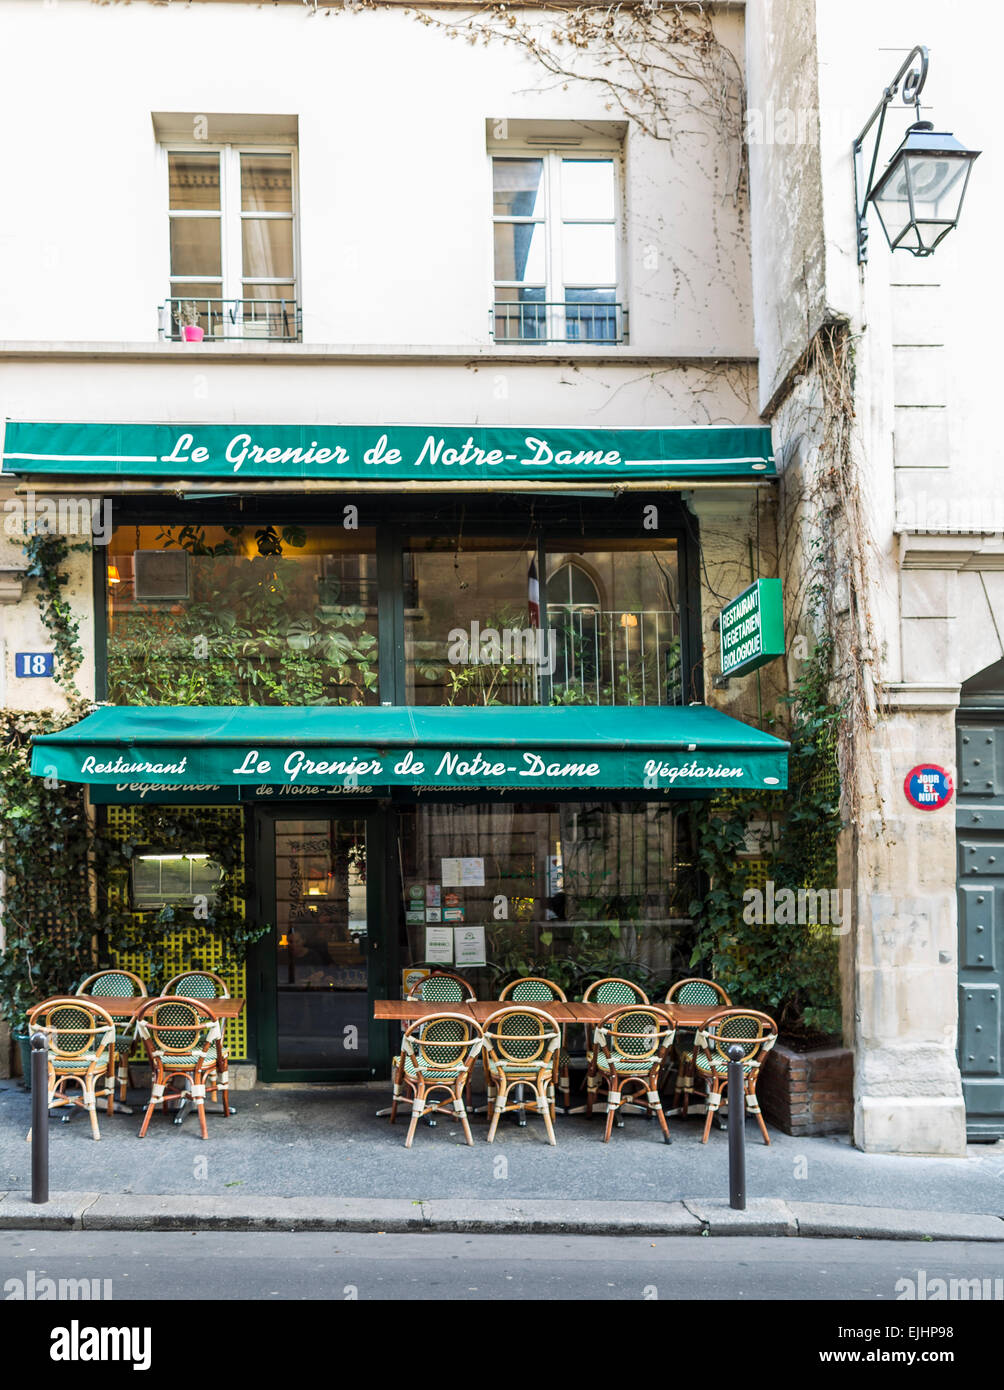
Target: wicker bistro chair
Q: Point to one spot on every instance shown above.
(756, 1034)
(521, 1044)
(534, 989)
(441, 987)
(611, 991)
(181, 1037)
(437, 1054)
(81, 1039)
(692, 991)
(203, 984)
(117, 984)
(631, 1046)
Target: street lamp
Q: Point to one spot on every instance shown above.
(919, 196)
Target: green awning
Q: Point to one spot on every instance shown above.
(439, 454)
(660, 748)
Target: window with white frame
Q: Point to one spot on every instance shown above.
(556, 248)
(232, 214)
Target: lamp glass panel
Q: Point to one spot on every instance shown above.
(937, 186)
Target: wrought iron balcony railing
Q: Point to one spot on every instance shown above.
(278, 319)
(567, 321)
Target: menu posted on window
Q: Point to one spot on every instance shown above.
(439, 945)
(463, 873)
(469, 945)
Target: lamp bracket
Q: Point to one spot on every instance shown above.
(912, 79)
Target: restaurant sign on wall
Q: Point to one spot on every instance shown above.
(368, 453)
(751, 628)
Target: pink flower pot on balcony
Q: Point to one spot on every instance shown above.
(193, 333)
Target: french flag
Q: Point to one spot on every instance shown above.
(533, 595)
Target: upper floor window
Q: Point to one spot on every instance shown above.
(556, 262)
(232, 215)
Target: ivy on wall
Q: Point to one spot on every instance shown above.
(65, 877)
(47, 553)
(786, 967)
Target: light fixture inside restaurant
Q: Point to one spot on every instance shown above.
(918, 197)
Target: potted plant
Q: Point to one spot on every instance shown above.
(187, 315)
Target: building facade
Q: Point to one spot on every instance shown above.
(446, 406)
(877, 381)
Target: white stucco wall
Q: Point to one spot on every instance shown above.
(395, 185)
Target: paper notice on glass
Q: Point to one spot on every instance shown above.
(439, 945)
(451, 873)
(472, 873)
(469, 945)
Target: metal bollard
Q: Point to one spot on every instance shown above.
(39, 1119)
(737, 1129)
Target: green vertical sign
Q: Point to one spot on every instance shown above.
(752, 628)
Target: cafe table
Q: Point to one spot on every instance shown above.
(563, 1012)
(128, 1008)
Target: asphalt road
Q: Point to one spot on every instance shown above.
(458, 1268)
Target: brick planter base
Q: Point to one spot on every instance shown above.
(808, 1092)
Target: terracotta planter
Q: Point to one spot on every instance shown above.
(808, 1092)
(193, 333)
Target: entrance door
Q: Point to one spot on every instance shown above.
(980, 821)
(316, 978)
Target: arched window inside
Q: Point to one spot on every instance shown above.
(574, 614)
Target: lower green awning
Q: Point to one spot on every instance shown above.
(655, 748)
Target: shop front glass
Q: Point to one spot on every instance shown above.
(475, 632)
(566, 890)
(241, 615)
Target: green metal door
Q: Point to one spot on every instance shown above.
(980, 838)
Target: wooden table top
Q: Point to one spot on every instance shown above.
(409, 1010)
(128, 1008)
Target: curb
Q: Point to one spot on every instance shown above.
(764, 1216)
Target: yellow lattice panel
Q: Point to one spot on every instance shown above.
(188, 949)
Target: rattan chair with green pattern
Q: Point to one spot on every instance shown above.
(437, 1054)
(203, 984)
(117, 984)
(756, 1034)
(81, 1049)
(520, 1047)
(534, 989)
(180, 1036)
(699, 992)
(610, 991)
(441, 987)
(631, 1046)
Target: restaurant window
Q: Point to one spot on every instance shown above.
(241, 615)
(161, 879)
(556, 248)
(233, 243)
(561, 889)
(613, 609)
(470, 628)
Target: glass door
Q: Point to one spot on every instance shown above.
(315, 1008)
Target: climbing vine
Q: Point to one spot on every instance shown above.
(47, 553)
(786, 967)
(66, 905)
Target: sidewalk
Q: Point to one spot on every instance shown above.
(317, 1158)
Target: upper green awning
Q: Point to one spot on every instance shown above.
(388, 453)
(660, 748)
